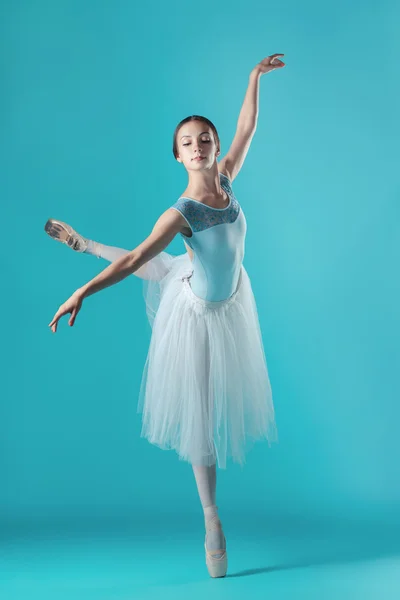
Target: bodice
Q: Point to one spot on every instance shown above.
(218, 244)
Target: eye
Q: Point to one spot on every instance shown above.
(204, 142)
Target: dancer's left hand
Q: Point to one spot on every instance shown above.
(269, 64)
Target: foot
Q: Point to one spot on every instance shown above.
(64, 233)
(216, 557)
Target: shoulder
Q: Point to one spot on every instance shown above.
(225, 181)
(225, 175)
(185, 206)
(196, 214)
(224, 169)
(186, 209)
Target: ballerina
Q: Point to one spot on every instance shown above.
(205, 389)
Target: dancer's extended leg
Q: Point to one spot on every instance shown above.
(154, 269)
(110, 253)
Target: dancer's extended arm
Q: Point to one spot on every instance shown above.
(154, 269)
(165, 229)
(247, 122)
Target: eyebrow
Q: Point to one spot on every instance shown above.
(199, 134)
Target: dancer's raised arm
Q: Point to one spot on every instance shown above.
(247, 122)
(167, 226)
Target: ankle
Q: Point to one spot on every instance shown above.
(93, 248)
(210, 512)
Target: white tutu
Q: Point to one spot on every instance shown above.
(205, 390)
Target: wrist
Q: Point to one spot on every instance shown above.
(256, 72)
(81, 292)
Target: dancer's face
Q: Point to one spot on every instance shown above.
(194, 139)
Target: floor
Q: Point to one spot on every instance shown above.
(165, 559)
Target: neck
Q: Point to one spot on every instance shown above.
(204, 184)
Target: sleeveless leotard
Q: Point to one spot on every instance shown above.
(218, 244)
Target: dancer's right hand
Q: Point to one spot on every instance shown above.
(72, 305)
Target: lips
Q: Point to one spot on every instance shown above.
(199, 158)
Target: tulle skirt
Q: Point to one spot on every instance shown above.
(205, 390)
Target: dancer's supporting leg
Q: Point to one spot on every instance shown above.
(206, 480)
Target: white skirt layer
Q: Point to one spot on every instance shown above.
(205, 390)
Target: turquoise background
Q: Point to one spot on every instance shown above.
(91, 94)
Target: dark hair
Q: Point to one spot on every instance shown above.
(194, 118)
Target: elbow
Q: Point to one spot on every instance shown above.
(135, 260)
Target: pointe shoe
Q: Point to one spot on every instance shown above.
(64, 233)
(216, 560)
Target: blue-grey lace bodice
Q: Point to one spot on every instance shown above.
(217, 241)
